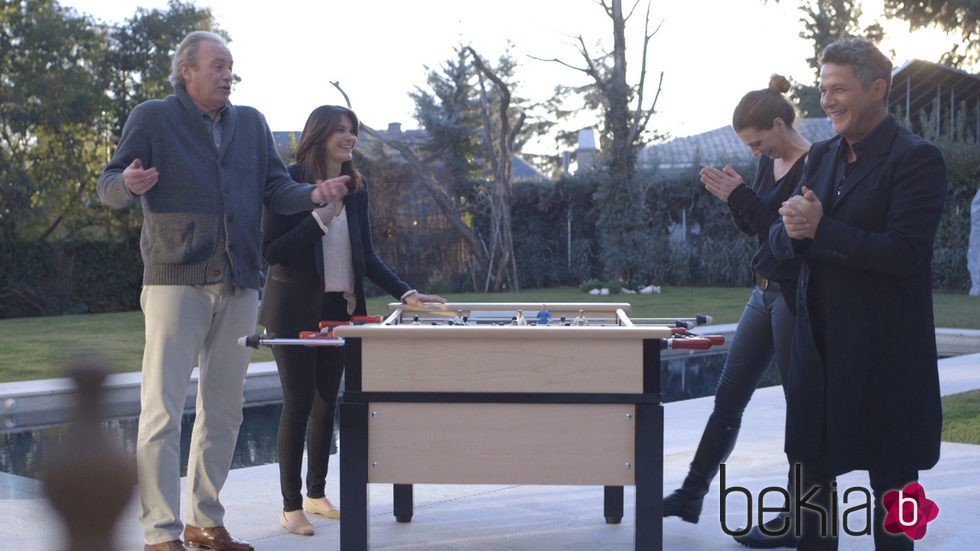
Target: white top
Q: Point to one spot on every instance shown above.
(338, 266)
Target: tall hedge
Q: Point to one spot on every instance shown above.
(692, 241)
(40, 278)
(949, 269)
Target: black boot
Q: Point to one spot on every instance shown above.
(779, 532)
(783, 534)
(686, 501)
(716, 444)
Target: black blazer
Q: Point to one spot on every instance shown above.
(294, 285)
(864, 363)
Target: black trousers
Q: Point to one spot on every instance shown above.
(310, 378)
(818, 530)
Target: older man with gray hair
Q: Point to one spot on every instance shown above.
(201, 169)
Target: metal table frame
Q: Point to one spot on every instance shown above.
(355, 414)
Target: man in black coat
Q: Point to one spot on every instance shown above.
(863, 387)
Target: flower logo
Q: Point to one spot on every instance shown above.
(909, 511)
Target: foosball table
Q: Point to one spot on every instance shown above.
(495, 393)
(504, 393)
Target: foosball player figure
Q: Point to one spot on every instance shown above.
(520, 318)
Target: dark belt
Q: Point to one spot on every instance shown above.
(765, 284)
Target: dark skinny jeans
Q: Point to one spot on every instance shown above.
(764, 332)
(310, 378)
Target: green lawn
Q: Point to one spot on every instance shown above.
(40, 348)
(961, 417)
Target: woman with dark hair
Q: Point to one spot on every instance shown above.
(763, 120)
(317, 264)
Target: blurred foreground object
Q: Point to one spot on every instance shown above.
(89, 479)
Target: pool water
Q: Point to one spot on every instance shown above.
(23, 453)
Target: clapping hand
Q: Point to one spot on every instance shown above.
(801, 214)
(720, 183)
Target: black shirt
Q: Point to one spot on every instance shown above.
(755, 208)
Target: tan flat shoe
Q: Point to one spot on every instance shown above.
(321, 506)
(296, 522)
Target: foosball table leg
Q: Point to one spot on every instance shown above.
(613, 507)
(354, 528)
(649, 477)
(403, 502)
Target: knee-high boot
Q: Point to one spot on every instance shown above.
(716, 444)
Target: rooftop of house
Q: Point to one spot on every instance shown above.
(521, 169)
(919, 86)
(720, 145)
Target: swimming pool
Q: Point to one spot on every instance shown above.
(23, 450)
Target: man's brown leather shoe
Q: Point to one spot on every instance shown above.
(172, 545)
(216, 539)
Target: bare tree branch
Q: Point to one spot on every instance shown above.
(501, 160)
(648, 114)
(487, 132)
(561, 62)
(592, 70)
(640, 116)
(517, 127)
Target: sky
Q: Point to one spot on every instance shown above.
(711, 52)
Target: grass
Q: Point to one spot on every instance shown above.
(40, 348)
(961, 417)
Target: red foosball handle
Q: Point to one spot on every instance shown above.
(716, 340)
(315, 335)
(330, 324)
(690, 343)
(354, 320)
(366, 319)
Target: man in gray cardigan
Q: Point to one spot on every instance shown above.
(201, 169)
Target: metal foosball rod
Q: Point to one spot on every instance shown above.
(323, 337)
(689, 323)
(255, 341)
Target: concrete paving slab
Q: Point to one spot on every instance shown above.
(544, 518)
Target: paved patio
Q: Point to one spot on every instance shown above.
(542, 518)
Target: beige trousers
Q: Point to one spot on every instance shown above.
(188, 326)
